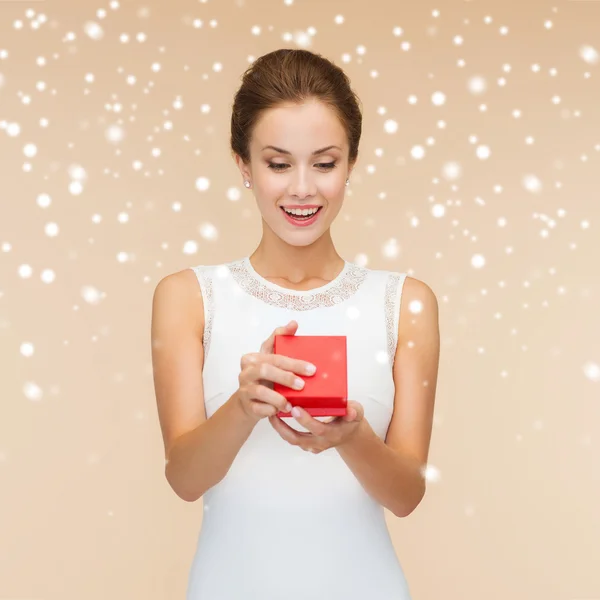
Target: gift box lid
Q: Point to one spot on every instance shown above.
(329, 354)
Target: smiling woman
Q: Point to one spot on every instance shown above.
(305, 494)
(296, 174)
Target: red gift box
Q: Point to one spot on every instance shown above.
(325, 394)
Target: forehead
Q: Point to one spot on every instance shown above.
(299, 127)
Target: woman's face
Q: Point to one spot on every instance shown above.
(298, 158)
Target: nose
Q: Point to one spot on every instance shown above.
(302, 185)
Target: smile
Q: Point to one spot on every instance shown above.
(300, 221)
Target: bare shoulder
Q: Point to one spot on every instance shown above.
(177, 354)
(181, 290)
(419, 313)
(418, 297)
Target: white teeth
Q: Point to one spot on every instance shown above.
(301, 212)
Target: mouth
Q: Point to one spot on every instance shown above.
(301, 221)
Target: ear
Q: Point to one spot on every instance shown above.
(243, 167)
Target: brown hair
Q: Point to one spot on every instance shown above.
(293, 75)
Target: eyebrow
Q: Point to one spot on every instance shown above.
(281, 151)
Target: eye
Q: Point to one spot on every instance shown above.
(277, 166)
(282, 166)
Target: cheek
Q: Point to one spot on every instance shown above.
(335, 182)
(270, 185)
(333, 188)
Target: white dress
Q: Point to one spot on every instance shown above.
(285, 524)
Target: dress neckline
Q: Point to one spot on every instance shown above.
(247, 265)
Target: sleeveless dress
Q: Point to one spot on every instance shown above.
(285, 524)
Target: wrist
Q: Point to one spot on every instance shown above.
(241, 414)
(360, 433)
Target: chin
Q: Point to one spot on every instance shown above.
(298, 237)
(299, 240)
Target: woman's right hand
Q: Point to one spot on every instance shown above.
(259, 370)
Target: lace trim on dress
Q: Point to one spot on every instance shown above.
(205, 281)
(348, 284)
(392, 312)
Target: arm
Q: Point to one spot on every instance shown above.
(198, 451)
(200, 458)
(394, 472)
(391, 477)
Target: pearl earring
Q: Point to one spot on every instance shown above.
(247, 183)
(347, 181)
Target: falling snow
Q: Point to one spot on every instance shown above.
(477, 173)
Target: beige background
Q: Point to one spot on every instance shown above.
(105, 203)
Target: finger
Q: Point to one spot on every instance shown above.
(284, 430)
(288, 363)
(247, 367)
(360, 410)
(263, 409)
(312, 449)
(249, 359)
(306, 420)
(267, 345)
(289, 434)
(350, 415)
(274, 374)
(260, 393)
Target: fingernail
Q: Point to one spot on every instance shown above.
(298, 383)
(310, 369)
(295, 412)
(288, 407)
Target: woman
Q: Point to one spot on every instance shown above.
(278, 522)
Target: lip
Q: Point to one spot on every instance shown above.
(301, 206)
(305, 223)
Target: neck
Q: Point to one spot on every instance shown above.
(273, 258)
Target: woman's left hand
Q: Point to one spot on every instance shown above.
(321, 435)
